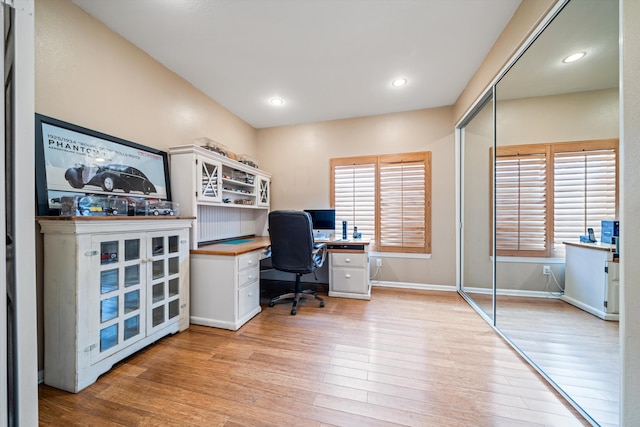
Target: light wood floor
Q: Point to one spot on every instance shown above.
(406, 357)
(579, 351)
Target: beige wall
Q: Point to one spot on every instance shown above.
(298, 157)
(90, 76)
(629, 218)
(526, 18)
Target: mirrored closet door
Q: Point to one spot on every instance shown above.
(545, 172)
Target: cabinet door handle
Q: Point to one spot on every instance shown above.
(250, 294)
(250, 276)
(348, 276)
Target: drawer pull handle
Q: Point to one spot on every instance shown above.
(250, 262)
(250, 276)
(250, 294)
(348, 276)
(347, 260)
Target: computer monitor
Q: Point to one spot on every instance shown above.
(324, 221)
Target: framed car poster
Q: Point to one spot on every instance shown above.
(72, 160)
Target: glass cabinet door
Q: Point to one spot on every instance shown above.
(263, 191)
(164, 279)
(209, 180)
(120, 313)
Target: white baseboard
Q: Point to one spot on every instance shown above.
(41, 376)
(513, 292)
(420, 286)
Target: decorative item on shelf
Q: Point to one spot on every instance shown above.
(164, 208)
(247, 160)
(243, 177)
(246, 202)
(212, 145)
(92, 206)
(96, 205)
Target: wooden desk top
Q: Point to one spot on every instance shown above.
(233, 247)
(596, 246)
(249, 244)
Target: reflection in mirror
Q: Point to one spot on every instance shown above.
(477, 269)
(556, 147)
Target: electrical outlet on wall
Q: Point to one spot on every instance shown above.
(546, 270)
(378, 262)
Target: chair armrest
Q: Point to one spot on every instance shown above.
(319, 254)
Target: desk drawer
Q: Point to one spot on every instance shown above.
(248, 275)
(349, 280)
(249, 260)
(348, 260)
(248, 299)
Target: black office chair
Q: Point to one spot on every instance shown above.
(293, 250)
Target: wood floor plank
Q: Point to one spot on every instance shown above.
(407, 357)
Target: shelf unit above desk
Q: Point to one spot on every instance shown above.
(228, 198)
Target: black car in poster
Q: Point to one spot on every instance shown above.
(109, 178)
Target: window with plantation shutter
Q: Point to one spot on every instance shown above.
(354, 195)
(521, 204)
(584, 188)
(403, 201)
(547, 194)
(387, 197)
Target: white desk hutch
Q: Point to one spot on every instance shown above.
(229, 199)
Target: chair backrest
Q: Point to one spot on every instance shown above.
(292, 243)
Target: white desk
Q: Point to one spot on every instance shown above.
(591, 279)
(225, 278)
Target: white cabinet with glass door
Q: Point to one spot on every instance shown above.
(263, 190)
(209, 180)
(110, 290)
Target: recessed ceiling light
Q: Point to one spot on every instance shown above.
(276, 101)
(574, 57)
(399, 82)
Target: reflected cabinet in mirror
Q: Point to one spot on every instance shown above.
(543, 173)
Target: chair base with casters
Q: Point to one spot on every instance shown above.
(296, 295)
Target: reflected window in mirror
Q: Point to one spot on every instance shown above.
(547, 194)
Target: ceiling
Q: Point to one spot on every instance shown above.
(589, 26)
(327, 59)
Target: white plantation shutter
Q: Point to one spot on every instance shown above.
(354, 198)
(521, 205)
(403, 204)
(388, 197)
(584, 193)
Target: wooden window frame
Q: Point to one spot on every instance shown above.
(549, 150)
(379, 161)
